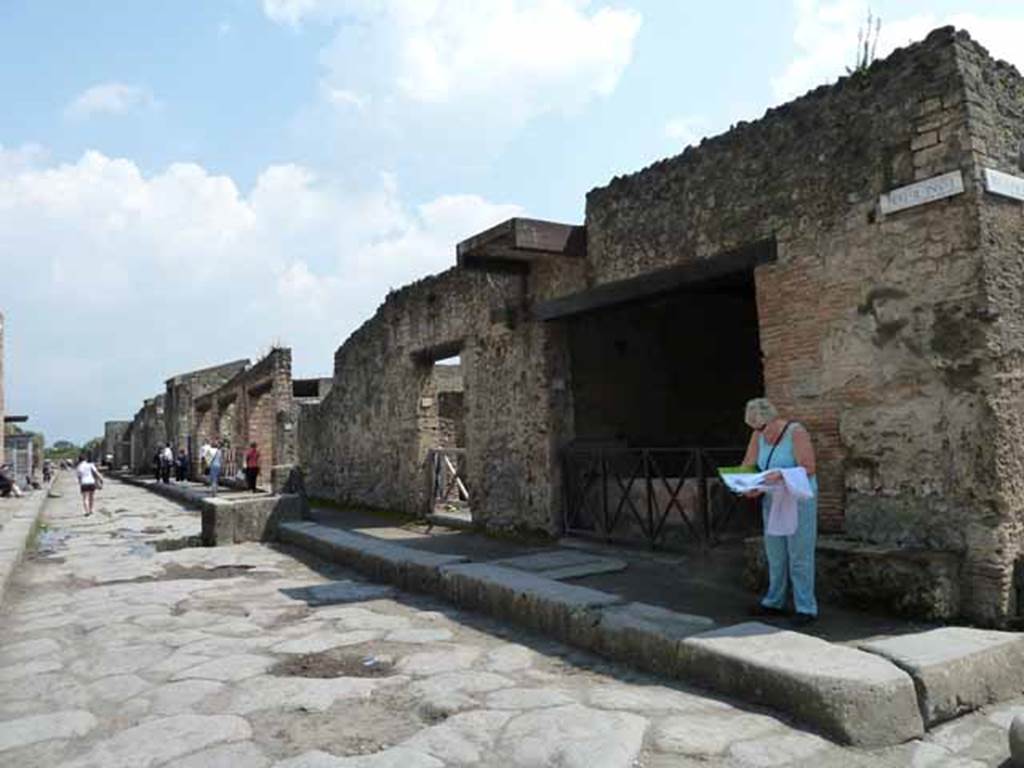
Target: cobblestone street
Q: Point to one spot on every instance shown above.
(120, 646)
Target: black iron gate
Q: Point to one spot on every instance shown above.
(664, 496)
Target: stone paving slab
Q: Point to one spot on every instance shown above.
(564, 564)
(957, 669)
(404, 567)
(853, 696)
(562, 610)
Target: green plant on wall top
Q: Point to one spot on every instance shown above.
(867, 44)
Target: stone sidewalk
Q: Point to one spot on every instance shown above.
(119, 649)
(18, 519)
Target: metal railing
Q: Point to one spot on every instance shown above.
(664, 496)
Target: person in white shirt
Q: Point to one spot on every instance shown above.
(216, 462)
(89, 479)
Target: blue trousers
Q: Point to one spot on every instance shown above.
(214, 477)
(791, 559)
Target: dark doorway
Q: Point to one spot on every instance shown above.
(674, 371)
(658, 390)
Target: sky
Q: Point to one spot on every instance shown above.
(187, 183)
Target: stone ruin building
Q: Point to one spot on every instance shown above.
(856, 254)
(237, 402)
(259, 404)
(117, 444)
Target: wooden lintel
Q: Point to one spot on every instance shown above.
(520, 241)
(657, 283)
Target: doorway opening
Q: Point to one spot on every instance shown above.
(442, 433)
(658, 387)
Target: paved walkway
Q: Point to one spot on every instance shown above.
(116, 649)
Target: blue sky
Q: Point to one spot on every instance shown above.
(184, 183)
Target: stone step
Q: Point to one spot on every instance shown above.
(565, 611)
(407, 568)
(957, 669)
(855, 697)
(851, 695)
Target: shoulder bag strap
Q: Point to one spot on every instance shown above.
(782, 434)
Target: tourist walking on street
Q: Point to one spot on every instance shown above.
(780, 444)
(89, 480)
(216, 461)
(252, 466)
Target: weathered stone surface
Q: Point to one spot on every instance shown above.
(346, 591)
(707, 734)
(957, 669)
(777, 749)
(288, 693)
(564, 564)
(853, 696)
(562, 610)
(647, 636)
(419, 636)
(243, 754)
(29, 649)
(396, 757)
(462, 740)
(1016, 734)
(118, 687)
(159, 741)
(230, 668)
(57, 725)
(528, 698)
(434, 662)
(407, 568)
(182, 697)
(572, 737)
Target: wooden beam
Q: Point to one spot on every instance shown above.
(520, 241)
(660, 282)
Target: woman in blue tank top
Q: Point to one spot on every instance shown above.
(780, 444)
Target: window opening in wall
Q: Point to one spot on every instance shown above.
(442, 427)
(658, 387)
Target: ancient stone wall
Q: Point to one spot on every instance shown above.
(148, 433)
(366, 442)
(847, 317)
(256, 405)
(994, 353)
(181, 390)
(116, 443)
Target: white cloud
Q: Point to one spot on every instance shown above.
(154, 274)
(110, 99)
(492, 64)
(825, 39)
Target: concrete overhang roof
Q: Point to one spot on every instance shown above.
(514, 244)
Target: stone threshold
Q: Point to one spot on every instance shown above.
(866, 696)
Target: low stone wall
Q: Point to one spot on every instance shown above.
(914, 583)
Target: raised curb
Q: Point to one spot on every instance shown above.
(407, 568)
(230, 521)
(854, 697)
(16, 532)
(957, 669)
(565, 611)
(647, 636)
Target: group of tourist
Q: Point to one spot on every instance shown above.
(164, 461)
(211, 459)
